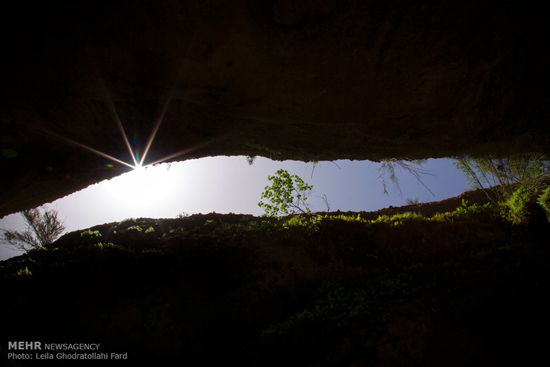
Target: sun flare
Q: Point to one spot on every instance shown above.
(143, 188)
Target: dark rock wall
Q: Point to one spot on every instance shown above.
(239, 290)
(309, 80)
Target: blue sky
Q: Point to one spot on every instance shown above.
(231, 185)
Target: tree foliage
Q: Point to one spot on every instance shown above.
(517, 208)
(287, 195)
(515, 181)
(42, 229)
(544, 200)
(505, 174)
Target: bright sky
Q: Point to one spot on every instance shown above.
(231, 185)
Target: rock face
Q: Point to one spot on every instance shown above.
(308, 80)
(462, 287)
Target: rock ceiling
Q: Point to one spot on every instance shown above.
(309, 80)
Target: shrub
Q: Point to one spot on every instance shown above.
(175, 233)
(544, 200)
(399, 219)
(298, 221)
(516, 208)
(413, 201)
(342, 217)
(474, 209)
(335, 304)
(25, 271)
(133, 228)
(465, 213)
(42, 229)
(90, 234)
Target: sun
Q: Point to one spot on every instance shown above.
(144, 188)
(138, 167)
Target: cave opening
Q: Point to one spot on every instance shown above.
(234, 185)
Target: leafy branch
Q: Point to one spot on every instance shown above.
(287, 194)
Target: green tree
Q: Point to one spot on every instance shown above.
(505, 174)
(516, 181)
(287, 193)
(42, 229)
